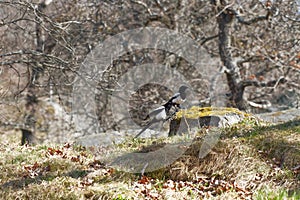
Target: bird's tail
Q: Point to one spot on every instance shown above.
(146, 127)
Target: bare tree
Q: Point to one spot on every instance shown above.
(39, 54)
(44, 43)
(264, 41)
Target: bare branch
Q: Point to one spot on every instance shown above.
(206, 39)
(273, 84)
(251, 21)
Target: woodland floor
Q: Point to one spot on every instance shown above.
(250, 161)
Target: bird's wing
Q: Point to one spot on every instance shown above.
(158, 113)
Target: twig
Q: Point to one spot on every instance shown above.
(226, 7)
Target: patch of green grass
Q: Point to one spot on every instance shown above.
(266, 194)
(120, 197)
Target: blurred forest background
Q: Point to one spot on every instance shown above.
(255, 46)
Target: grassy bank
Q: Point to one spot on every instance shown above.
(249, 162)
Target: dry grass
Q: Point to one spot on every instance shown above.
(249, 161)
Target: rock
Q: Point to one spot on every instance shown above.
(280, 116)
(197, 117)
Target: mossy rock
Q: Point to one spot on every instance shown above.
(197, 117)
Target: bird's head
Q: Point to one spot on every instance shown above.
(183, 88)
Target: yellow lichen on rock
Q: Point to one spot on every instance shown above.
(195, 112)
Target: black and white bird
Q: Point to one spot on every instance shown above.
(162, 113)
(157, 115)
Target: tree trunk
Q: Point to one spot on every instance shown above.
(31, 99)
(225, 19)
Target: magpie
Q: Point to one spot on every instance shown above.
(162, 113)
(159, 114)
(177, 99)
